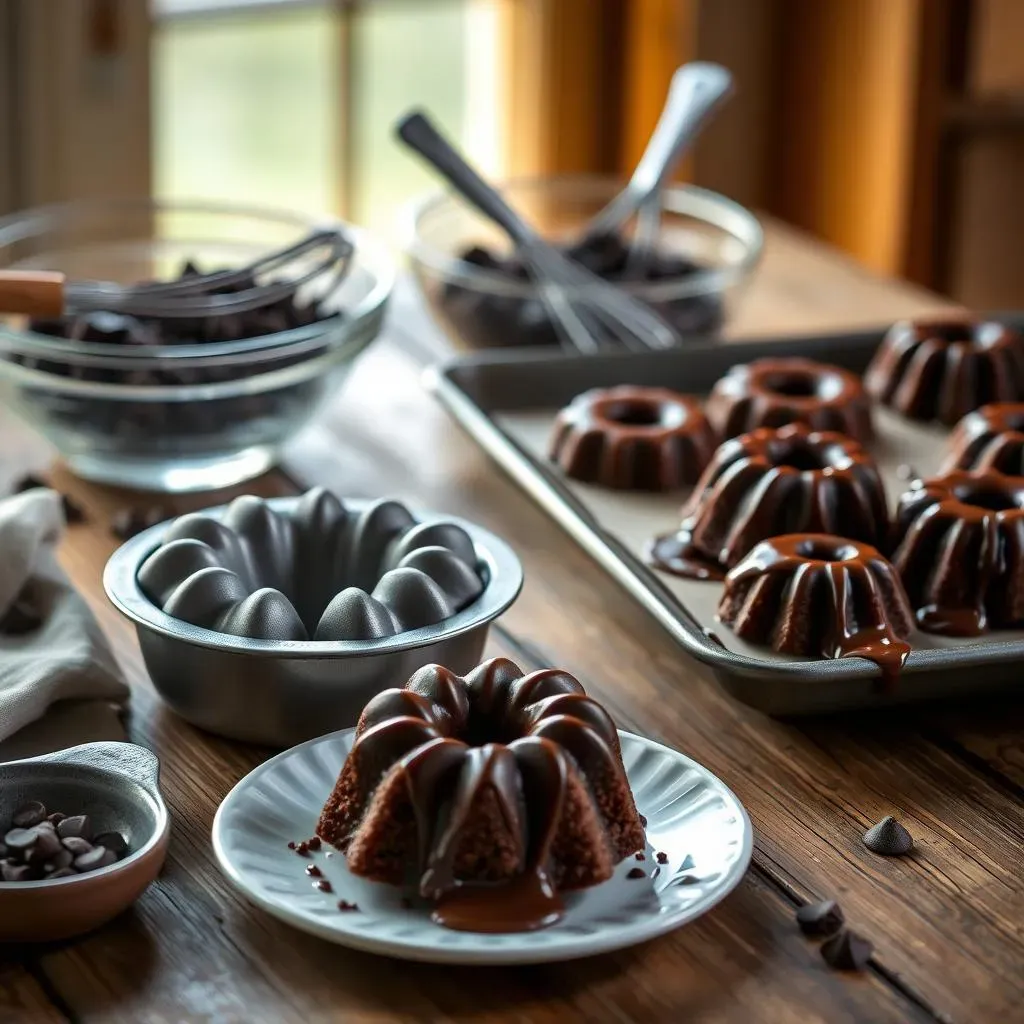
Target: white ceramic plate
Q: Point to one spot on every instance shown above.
(691, 816)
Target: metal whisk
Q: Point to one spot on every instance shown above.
(591, 313)
(49, 294)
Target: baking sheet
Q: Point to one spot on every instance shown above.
(901, 450)
(507, 402)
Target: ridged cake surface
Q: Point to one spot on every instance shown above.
(771, 482)
(991, 437)
(774, 392)
(322, 572)
(633, 438)
(942, 370)
(959, 548)
(820, 596)
(489, 793)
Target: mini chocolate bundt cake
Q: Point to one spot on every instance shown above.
(819, 595)
(774, 392)
(991, 437)
(633, 438)
(770, 482)
(942, 370)
(501, 778)
(959, 548)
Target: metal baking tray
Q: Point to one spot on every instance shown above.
(507, 400)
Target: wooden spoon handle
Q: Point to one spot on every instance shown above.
(32, 292)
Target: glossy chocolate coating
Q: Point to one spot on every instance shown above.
(991, 437)
(771, 482)
(774, 392)
(819, 595)
(519, 737)
(958, 545)
(942, 370)
(633, 438)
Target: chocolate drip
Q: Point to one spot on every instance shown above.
(933, 370)
(839, 600)
(990, 438)
(775, 392)
(552, 729)
(959, 549)
(769, 483)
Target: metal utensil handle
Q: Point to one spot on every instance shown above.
(419, 134)
(696, 90)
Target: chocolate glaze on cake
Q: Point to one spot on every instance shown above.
(816, 595)
(774, 392)
(959, 548)
(493, 793)
(633, 438)
(991, 437)
(942, 370)
(771, 482)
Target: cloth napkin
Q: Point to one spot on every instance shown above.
(63, 657)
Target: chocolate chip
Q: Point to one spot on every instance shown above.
(12, 872)
(847, 951)
(45, 848)
(291, 844)
(636, 873)
(345, 905)
(29, 814)
(114, 842)
(20, 839)
(97, 857)
(889, 838)
(313, 871)
(662, 858)
(639, 856)
(823, 918)
(61, 859)
(324, 886)
(302, 849)
(56, 818)
(76, 845)
(76, 825)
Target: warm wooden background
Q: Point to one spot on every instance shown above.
(946, 923)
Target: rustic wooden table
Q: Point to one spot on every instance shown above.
(946, 922)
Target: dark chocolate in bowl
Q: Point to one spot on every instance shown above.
(489, 319)
(142, 428)
(116, 785)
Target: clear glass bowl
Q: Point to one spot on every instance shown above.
(715, 243)
(186, 416)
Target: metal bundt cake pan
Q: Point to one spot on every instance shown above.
(275, 621)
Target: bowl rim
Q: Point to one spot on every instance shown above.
(505, 581)
(158, 837)
(684, 199)
(381, 265)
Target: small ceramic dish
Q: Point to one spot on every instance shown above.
(225, 602)
(116, 785)
(692, 818)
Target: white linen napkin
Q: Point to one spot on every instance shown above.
(66, 657)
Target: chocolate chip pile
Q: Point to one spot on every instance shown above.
(135, 427)
(41, 845)
(486, 320)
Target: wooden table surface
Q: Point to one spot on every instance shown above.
(946, 923)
